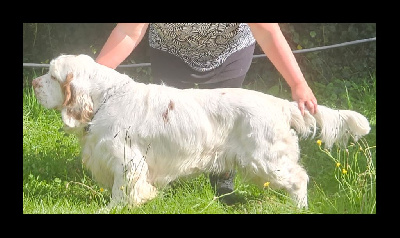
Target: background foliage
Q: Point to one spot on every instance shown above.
(44, 41)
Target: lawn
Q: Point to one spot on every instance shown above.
(342, 181)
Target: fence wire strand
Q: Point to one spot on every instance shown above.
(34, 65)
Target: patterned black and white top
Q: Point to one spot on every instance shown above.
(203, 46)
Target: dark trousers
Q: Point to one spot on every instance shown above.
(172, 71)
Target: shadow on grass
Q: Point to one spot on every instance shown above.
(57, 173)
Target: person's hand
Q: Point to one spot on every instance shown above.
(305, 98)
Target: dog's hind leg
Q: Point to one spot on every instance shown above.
(294, 180)
(290, 177)
(279, 166)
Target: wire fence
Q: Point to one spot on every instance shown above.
(254, 57)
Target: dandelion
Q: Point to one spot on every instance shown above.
(122, 187)
(266, 184)
(319, 142)
(344, 171)
(337, 164)
(101, 190)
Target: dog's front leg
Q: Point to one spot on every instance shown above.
(131, 186)
(119, 191)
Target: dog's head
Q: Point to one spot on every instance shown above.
(66, 88)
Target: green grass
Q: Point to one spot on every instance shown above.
(54, 180)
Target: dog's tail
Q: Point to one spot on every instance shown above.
(335, 126)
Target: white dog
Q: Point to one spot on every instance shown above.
(136, 137)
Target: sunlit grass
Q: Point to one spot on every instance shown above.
(54, 180)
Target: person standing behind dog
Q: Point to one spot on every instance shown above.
(209, 55)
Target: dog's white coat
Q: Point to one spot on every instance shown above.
(137, 137)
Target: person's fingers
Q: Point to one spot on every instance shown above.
(311, 106)
(301, 107)
(315, 106)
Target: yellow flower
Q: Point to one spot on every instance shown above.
(319, 142)
(299, 47)
(337, 164)
(266, 184)
(122, 188)
(344, 171)
(101, 190)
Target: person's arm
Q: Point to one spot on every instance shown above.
(121, 42)
(269, 36)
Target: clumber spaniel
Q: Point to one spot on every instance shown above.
(137, 137)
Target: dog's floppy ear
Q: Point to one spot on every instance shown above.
(77, 108)
(66, 88)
